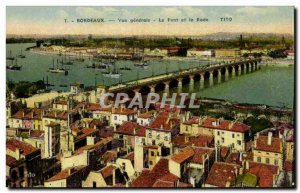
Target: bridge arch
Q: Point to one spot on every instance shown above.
(206, 75)
(236, 67)
(215, 73)
(185, 80)
(160, 87)
(173, 83)
(197, 77)
(243, 67)
(223, 70)
(247, 66)
(230, 69)
(130, 93)
(145, 90)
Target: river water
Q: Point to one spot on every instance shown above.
(270, 85)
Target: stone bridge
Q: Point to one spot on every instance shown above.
(176, 79)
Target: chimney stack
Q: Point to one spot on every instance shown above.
(217, 151)
(247, 165)
(270, 138)
(134, 131)
(236, 171)
(18, 154)
(186, 139)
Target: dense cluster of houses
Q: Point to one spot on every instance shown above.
(85, 145)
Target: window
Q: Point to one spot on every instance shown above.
(218, 133)
(153, 142)
(142, 122)
(239, 142)
(233, 135)
(150, 134)
(115, 118)
(223, 140)
(123, 166)
(166, 138)
(267, 160)
(258, 159)
(158, 137)
(152, 153)
(150, 162)
(276, 162)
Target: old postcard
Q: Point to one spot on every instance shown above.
(150, 97)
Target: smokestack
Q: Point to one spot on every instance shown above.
(270, 138)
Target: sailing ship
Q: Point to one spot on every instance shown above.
(96, 65)
(58, 69)
(21, 55)
(99, 64)
(14, 66)
(112, 73)
(79, 58)
(142, 64)
(64, 61)
(125, 68)
(9, 57)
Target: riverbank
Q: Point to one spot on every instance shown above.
(278, 62)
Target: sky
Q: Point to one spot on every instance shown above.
(51, 20)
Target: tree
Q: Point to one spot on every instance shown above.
(258, 124)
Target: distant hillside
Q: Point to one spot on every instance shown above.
(213, 36)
